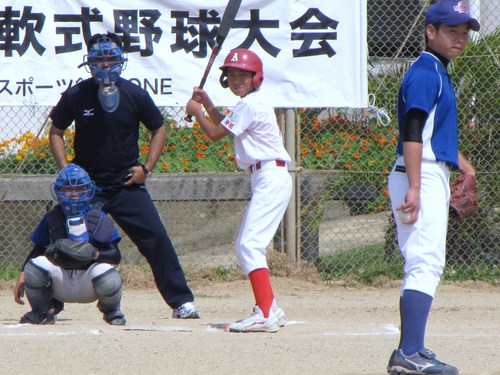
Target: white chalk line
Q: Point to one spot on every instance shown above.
(387, 329)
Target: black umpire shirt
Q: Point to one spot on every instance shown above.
(106, 144)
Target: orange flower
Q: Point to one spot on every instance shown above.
(364, 147)
(385, 193)
(185, 161)
(357, 155)
(304, 151)
(227, 146)
(203, 147)
(164, 166)
(348, 164)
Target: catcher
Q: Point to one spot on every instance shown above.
(75, 245)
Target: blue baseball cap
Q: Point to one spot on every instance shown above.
(450, 12)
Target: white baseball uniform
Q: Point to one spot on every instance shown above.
(259, 148)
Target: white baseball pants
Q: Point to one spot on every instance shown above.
(72, 285)
(271, 191)
(423, 244)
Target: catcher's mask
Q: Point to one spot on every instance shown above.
(73, 190)
(244, 59)
(106, 60)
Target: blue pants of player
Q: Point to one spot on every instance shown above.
(133, 210)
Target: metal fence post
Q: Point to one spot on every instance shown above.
(291, 212)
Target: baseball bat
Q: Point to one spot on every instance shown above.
(225, 25)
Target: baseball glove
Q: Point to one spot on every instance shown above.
(68, 253)
(463, 200)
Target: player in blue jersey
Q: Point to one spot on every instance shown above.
(107, 111)
(419, 181)
(48, 284)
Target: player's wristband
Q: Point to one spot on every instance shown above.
(148, 173)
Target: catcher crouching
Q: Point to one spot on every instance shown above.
(75, 248)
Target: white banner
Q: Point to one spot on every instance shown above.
(314, 52)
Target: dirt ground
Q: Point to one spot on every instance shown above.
(330, 330)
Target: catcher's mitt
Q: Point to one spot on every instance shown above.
(463, 200)
(68, 253)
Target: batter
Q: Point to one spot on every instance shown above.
(259, 149)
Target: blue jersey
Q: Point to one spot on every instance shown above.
(428, 87)
(106, 144)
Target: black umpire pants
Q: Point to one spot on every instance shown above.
(133, 210)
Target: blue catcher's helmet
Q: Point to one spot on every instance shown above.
(105, 58)
(73, 190)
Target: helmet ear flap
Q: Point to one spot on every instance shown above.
(223, 79)
(258, 78)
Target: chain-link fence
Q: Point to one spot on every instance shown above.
(339, 218)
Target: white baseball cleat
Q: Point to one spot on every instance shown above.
(186, 311)
(280, 317)
(256, 322)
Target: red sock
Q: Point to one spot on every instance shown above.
(262, 290)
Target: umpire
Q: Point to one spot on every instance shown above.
(107, 111)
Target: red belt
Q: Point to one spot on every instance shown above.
(258, 165)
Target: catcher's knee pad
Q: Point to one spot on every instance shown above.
(108, 287)
(38, 288)
(36, 277)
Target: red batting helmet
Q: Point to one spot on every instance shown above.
(245, 59)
